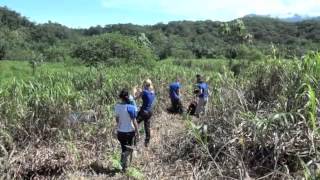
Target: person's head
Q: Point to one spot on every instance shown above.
(148, 84)
(124, 95)
(199, 78)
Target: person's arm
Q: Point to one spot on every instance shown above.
(116, 111)
(138, 96)
(116, 126)
(117, 120)
(136, 127)
(133, 115)
(117, 117)
(200, 91)
(177, 94)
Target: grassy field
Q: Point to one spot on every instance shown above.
(262, 119)
(22, 70)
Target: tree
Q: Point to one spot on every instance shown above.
(2, 50)
(225, 29)
(238, 27)
(113, 48)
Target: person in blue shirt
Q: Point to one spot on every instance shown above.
(202, 95)
(127, 126)
(146, 110)
(175, 97)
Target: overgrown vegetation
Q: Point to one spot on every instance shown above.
(56, 102)
(262, 123)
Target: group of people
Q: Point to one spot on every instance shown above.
(196, 107)
(128, 116)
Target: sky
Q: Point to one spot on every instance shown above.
(86, 13)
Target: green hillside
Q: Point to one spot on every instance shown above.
(247, 38)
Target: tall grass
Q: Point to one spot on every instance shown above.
(261, 120)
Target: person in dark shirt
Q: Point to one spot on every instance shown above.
(175, 97)
(202, 95)
(146, 110)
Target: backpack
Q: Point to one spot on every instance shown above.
(132, 111)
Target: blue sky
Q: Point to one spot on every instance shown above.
(85, 13)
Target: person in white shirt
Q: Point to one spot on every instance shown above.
(127, 126)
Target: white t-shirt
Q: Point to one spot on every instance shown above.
(125, 122)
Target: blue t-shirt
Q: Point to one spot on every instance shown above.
(125, 113)
(147, 100)
(132, 110)
(174, 87)
(204, 88)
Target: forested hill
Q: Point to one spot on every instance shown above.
(248, 37)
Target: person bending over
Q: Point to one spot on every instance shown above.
(175, 97)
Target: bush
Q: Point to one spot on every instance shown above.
(106, 47)
(183, 54)
(244, 52)
(55, 54)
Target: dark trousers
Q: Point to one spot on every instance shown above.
(145, 116)
(176, 106)
(126, 139)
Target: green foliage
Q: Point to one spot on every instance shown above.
(134, 173)
(12, 19)
(113, 49)
(115, 160)
(196, 132)
(56, 54)
(249, 37)
(249, 53)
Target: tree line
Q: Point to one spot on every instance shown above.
(251, 37)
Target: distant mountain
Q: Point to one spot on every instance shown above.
(257, 15)
(299, 18)
(295, 18)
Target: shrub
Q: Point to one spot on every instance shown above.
(183, 54)
(55, 54)
(250, 53)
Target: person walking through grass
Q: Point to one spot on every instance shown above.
(127, 126)
(175, 97)
(146, 110)
(202, 95)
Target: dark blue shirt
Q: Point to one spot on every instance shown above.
(147, 100)
(204, 88)
(174, 87)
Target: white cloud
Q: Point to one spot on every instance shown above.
(217, 9)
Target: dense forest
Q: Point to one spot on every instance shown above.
(251, 37)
